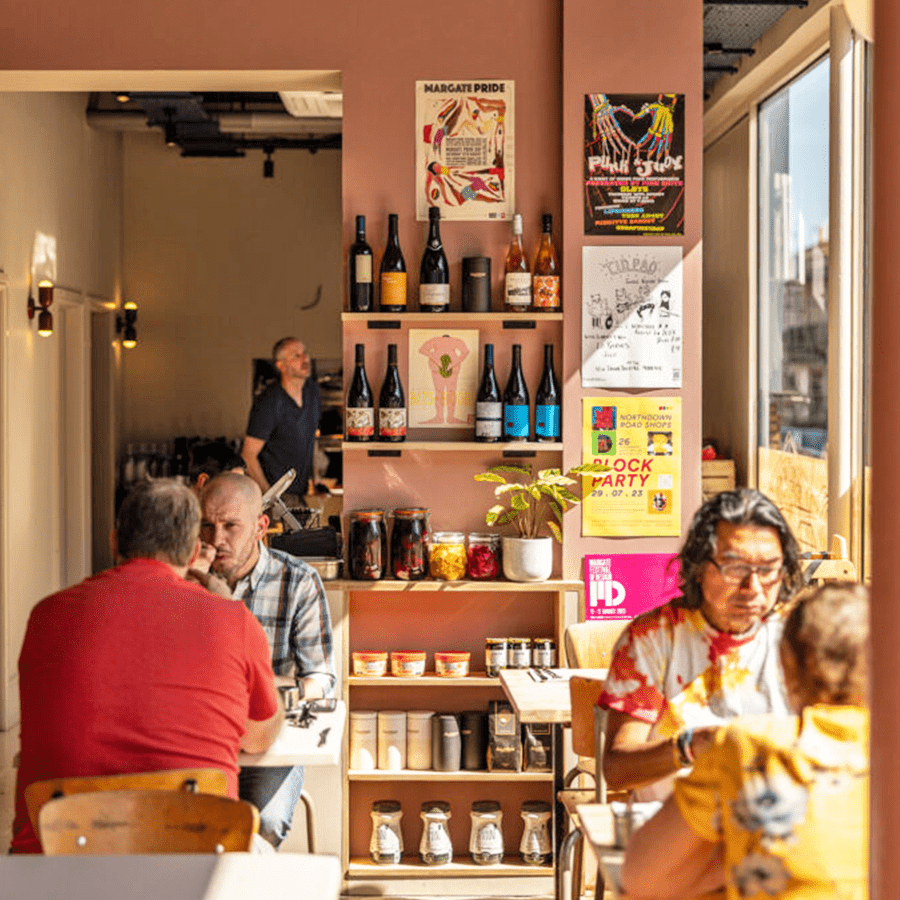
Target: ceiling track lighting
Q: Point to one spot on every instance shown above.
(45, 300)
(125, 325)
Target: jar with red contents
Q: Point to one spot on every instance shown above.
(483, 556)
(409, 557)
(367, 545)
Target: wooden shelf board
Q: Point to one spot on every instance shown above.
(481, 587)
(462, 866)
(454, 315)
(431, 775)
(429, 679)
(455, 446)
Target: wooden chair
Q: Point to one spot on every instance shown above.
(145, 821)
(203, 781)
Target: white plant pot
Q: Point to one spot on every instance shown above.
(527, 559)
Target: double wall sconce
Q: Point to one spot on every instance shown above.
(45, 300)
(125, 325)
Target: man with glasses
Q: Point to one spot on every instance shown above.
(686, 667)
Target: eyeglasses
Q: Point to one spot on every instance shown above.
(738, 572)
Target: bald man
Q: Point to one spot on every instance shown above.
(287, 597)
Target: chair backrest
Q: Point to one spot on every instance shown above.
(203, 781)
(146, 821)
(583, 694)
(589, 644)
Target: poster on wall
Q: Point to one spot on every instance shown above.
(639, 438)
(443, 378)
(620, 586)
(634, 164)
(631, 305)
(464, 149)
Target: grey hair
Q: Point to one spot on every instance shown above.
(159, 519)
(280, 345)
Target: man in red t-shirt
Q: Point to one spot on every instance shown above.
(137, 669)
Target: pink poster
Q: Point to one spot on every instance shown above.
(623, 585)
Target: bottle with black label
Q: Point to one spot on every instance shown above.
(393, 272)
(391, 402)
(488, 402)
(360, 409)
(516, 425)
(546, 284)
(517, 282)
(360, 269)
(434, 273)
(547, 402)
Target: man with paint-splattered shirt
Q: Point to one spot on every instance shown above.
(683, 669)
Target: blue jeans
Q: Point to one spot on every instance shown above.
(274, 791)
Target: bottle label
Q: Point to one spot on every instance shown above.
(393, 288)
(489, 419)
(360, 421)
(546, 421)
(392, 422)
(363, 268)
(518, 289)
(434, 295)
(515, 421)
(546, 291)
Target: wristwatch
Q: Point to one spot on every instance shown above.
(684, 755)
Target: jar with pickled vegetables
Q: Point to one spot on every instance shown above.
(483, 556)
(447, 555)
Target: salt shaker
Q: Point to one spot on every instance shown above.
(435, 847)
(386, 845)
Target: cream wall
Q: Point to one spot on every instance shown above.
(727, 335)
(59, 177)
(221, 261)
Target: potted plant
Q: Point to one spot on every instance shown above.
(529, 503)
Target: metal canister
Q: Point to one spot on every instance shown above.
(409, 552)
(494, 656)
(518, 653)
(367, 545)
(543, 653)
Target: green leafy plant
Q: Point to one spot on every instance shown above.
(534, 500)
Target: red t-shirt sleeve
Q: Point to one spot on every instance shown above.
(260, 678)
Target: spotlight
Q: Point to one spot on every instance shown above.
(125, 325)
(45, 299)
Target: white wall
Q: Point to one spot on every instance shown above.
(59, 177)
(220, 261)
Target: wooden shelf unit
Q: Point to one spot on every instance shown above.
(467, 775)
(461, 866)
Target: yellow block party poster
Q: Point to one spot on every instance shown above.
(640, 440)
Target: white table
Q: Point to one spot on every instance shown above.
(197, 876)
(301, 746)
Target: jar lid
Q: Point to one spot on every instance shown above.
(535, 806)
(366, 515)
(363, 714)
(410, 512)
(419, 713)
(386, 806)
(495, 640)
(485, 806)
(436, 806)
(519, 640)
(448, 537)
(544, 642)
(483, 537)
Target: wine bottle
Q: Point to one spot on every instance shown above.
(546, 286)
(360, 269)
(517, 283)
(547, 401)
(515, 401)
(360, 411)
(434, 273)
(488, 402)
(393, 272)
(391, 402)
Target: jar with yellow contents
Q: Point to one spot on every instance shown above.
(447, 555)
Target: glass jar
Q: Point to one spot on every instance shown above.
(386, 844)
(494, 656)
(518, 653)
(486, 837)
(435, 847)
(409, 556)
(535, 847)
(483, 556)
(543, 653)
(447, 556)
(367, 545)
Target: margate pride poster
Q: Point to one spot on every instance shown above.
(620, 586)
(634, 164)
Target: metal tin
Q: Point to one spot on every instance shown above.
(476, 284)
(543, 653)
(518, 653)
(494, 656)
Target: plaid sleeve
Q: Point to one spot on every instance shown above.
(311, 637)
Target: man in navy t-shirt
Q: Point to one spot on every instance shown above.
(281, 432)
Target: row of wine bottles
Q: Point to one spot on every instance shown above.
(498, 416)
(525, 288)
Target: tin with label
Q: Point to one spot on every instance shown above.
(494, 656)
(543, 653)
(518, 653)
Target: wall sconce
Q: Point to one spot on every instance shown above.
(126, 324)
(45, 299)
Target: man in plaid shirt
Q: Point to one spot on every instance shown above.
(287, 597)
